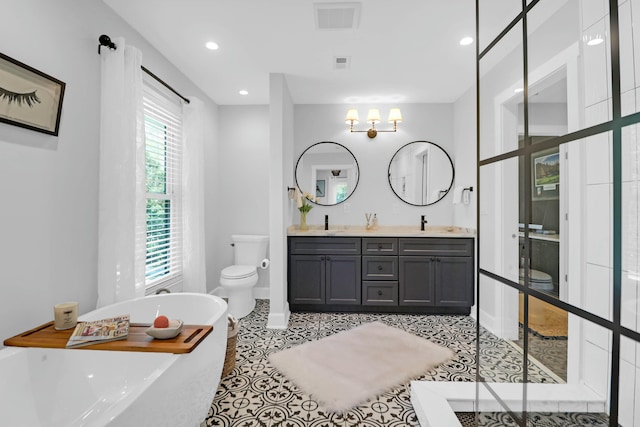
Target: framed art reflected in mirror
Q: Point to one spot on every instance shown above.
(329, 171)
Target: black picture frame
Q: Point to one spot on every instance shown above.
(29, 98)
(320, 187)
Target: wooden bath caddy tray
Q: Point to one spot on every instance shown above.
(46, 336)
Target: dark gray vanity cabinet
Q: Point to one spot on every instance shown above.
(324, 270)
(436, 272)
(385, 274)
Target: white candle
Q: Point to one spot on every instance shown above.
(65, 315)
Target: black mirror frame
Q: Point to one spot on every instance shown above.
(453, 173)
(295, 171)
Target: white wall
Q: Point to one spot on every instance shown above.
(242, 179)
(280, 161)
(430, 122)
(598, 193)
(464, 137)
(49, 214)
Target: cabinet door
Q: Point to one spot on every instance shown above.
(416, 274)
(454, 281)
(343, 274)
(307, 279)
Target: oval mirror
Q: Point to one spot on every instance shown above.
(421, 173)
(329, 171)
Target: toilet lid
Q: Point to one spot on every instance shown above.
(536, 276)
(238, 271)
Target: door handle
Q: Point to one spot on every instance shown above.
(379, 293)
(379, 268)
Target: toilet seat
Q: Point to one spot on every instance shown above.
(238, 271)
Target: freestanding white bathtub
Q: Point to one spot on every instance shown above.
(59, 387)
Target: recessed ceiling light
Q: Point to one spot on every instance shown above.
(243, 92)
(466, 41)
(212, 45)
(518, 90)
(595, 41)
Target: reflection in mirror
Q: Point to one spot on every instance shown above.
(329, 171)
(421, 173)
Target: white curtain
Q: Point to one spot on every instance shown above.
(122, 205)
(194, 269)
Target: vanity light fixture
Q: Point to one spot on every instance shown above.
(336, 172)
(212, 46)
(466, 41)
(373, 117)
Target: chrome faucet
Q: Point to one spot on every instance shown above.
(423, 221)
(161, 290)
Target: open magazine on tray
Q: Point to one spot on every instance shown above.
(97, 331)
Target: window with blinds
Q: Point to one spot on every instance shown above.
(163, 141)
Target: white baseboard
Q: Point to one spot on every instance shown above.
(489, 322)
(261, 293)
(279, 320)
(258, 292)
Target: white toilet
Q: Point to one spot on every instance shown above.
(238, 280)
(538, 280)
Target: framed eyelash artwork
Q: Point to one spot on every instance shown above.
(29, 98)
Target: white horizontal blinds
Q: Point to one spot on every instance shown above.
(163, 140)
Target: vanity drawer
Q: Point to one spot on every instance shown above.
(435, 246)
(324, 245)
(379, 293)
(379, 268)
(379, 246)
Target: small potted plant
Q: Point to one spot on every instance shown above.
(304, 207)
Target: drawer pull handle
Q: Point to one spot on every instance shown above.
(379, 293)
(379, 246)
(379, 268)
(328, 258)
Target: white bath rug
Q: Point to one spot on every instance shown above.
(348, 368)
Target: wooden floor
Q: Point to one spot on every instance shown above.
(545, 319)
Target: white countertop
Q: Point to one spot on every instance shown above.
(383, 231)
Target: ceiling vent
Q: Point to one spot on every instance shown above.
(337, 16)
(341, 62)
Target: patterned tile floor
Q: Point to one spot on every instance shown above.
(550, 351)
(255, 394)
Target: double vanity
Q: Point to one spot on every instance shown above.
(390, 269)
(379, 269)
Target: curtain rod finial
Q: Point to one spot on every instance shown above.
(105, 40)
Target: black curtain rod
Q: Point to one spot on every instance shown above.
(105, 40)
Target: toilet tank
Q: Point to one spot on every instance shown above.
(249, 249)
